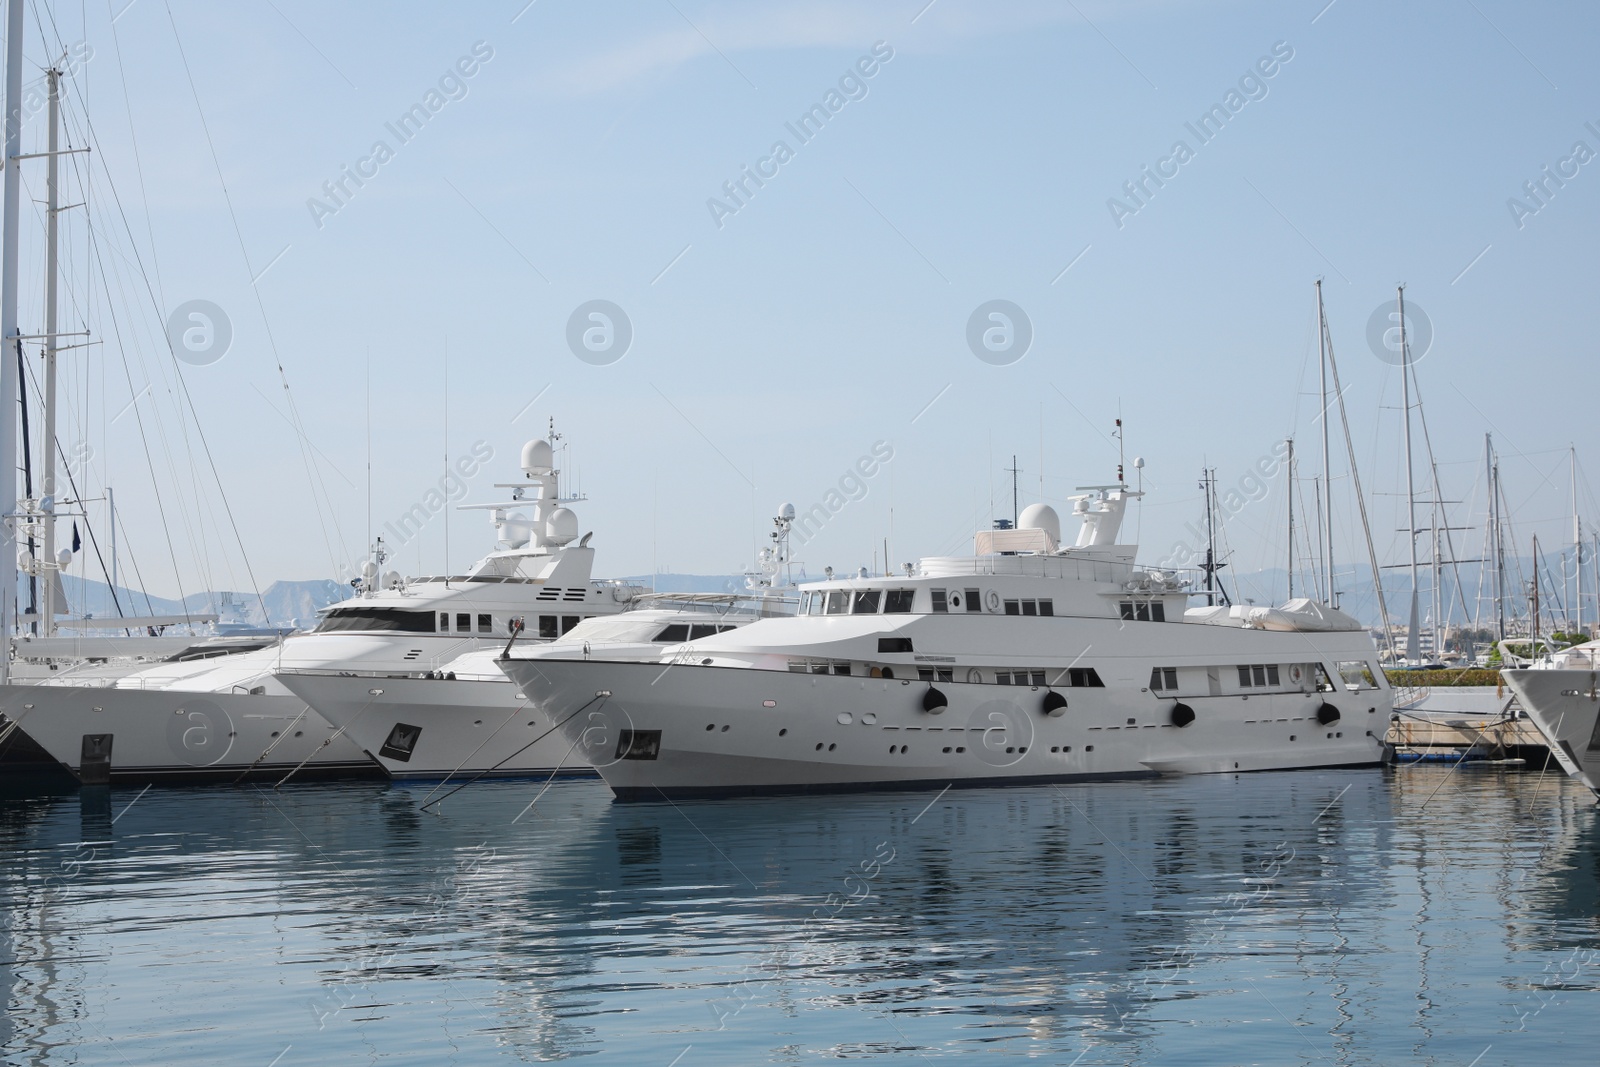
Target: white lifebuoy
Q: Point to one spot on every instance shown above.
(993, 600)
(1295, 674)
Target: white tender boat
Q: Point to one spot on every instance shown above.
(217, 717)
(1026, 662)
(1562, 698)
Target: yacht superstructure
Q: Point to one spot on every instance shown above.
(1027, 661)
(220, 716)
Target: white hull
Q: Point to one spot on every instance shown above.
(1565, 706)
(182, 735)
(436, 728)
(729, 731)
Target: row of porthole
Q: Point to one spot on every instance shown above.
(297, 733)
(1068, 748)
(712, 726)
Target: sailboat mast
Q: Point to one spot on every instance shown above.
(1496, 554)
(48, 451)
(1577, 543)
(1412, 651)
(8, 331)
(1288, 478)
(1327, 473)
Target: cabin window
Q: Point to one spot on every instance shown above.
(894, 644)
(947, 674)
(1356, 675)
(924, 674)
(547, 626)
(444, 622)
(1127, 610)
(674, 634)
(866, 602)
(838, 602)
(974, 600)
(898, 601)
(1163, 678)
(463, 623)
(1084, 678)
(1158, 611)
(486, 624)
(569, 621)
(1272, 674)
(1141, 611)
(938, 600)
(841, 668)
(1030, 607)
(415, 622)
(1047, 607)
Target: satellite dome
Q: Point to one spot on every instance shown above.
(561, 527)
(64, 557)
(391, 579)
(537, 458)
(515, 530)
(369, 570)
(1040, 517)
(786, 512)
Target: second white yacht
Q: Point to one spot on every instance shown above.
(1562, 698)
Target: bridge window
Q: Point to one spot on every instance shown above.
(866, 602)
(898, 601)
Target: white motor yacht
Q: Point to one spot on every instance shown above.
(1025, 662)
(222, 716)
(468, 720)
(1562, 698)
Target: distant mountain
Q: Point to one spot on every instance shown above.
(280, 604)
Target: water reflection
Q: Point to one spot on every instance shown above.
(1348, 917)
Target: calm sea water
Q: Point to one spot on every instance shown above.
(1406, 916)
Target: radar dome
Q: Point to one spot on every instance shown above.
(1040, 517)
(369, 569)
(391, 579)
(786, 512)
(561, 527)
(537, 458)
(515, 530)
(64, 557)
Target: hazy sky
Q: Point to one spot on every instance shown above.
(969, 152)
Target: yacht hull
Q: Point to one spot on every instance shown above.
(175, 735)
(431, 728)
(695, 730)
(1565, 706)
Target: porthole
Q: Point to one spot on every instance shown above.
(1090, 748)
(710, 726)
(274, 733)
(869, 719)
(477, 722)
(844, 718)
(947, 749)
(893, 749)
(831, 747)
(724, 727)
(819, 746)
(783, 732)
(960, 749)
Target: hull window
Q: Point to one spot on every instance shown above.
(411, 622)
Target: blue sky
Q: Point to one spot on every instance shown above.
(830, 312)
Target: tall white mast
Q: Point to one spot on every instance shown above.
(1327, 473)
(50, 571)
(1413, 654)
(10, 346)
(1577, 543)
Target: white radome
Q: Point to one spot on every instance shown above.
(537, 458)
(786, 512)
(1040, 517)
(562, 526)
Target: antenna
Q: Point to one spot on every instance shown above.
(1014, 472)
(1117, 433)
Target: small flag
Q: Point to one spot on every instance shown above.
(77, 542)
